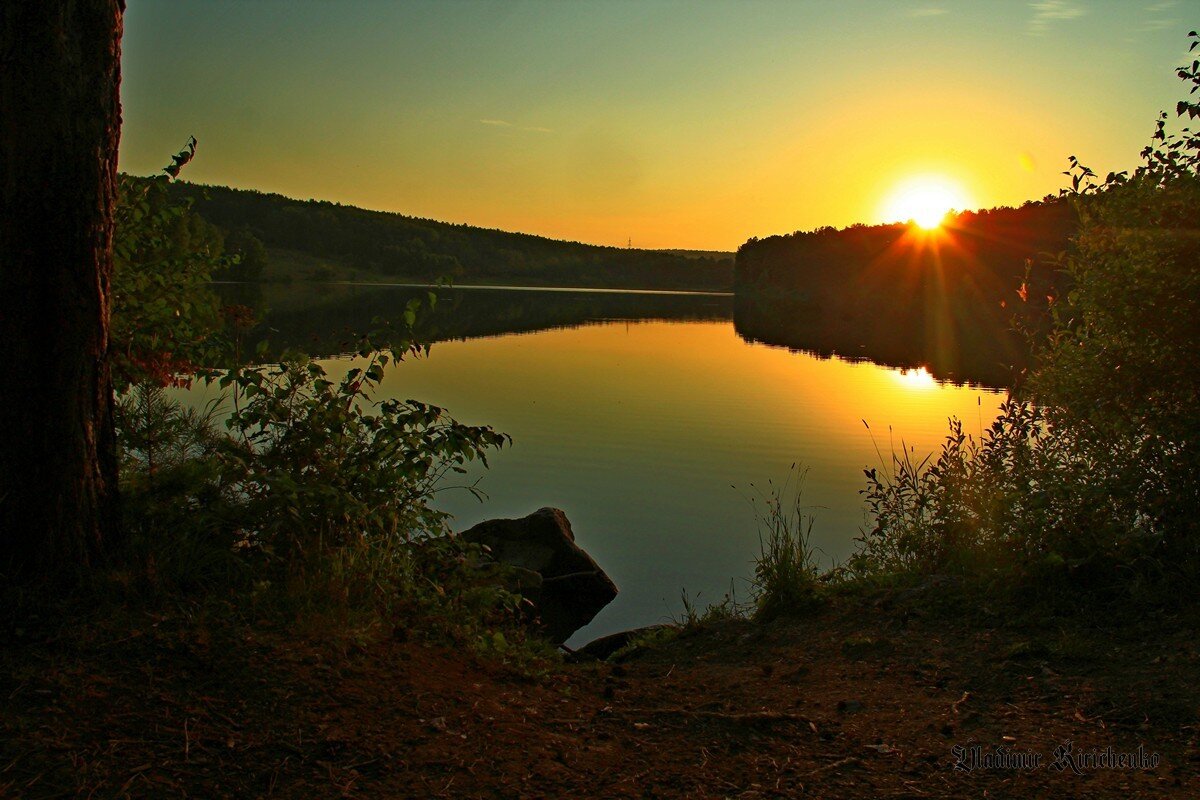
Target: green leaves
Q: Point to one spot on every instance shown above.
(410, 312)
(319, 463)
(165, 321)
(309, 467)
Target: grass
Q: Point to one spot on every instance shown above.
(786, 571)
(692, 618)
(787, 580)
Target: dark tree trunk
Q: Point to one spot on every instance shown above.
(60, 122)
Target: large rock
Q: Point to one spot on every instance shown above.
(604, 647)
(573, 588)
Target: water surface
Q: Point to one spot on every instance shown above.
(651, 431)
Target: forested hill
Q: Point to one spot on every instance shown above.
(896, 294)
(331, 240)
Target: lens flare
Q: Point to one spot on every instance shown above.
(924, 201)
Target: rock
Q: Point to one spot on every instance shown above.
(572, 587)
(600, 649)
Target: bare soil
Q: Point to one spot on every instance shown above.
(861, 700)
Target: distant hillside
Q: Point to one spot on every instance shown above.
(716, 255)
(898, 295)
(322, 240)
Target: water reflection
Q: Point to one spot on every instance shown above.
(323, 318)
(916, 378)
(649, 432)
(951, 343)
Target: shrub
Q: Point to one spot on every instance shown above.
(313, 494)
(1092, 468)
(172, 492)
(165, 321)
(316, 463)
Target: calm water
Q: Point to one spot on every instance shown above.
(649, 432)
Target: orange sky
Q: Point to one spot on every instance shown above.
(692, 125)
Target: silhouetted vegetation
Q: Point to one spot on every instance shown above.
(297, 490)
(1090, 477)
(421, 250)
(902, 296)
(299, 504)
(294, 493)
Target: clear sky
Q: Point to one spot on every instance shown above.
(676, 124)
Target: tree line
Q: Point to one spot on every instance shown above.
(415, 249)
(900, 295)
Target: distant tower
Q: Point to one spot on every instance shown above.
(629, 246)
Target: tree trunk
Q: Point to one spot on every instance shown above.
(60, 122)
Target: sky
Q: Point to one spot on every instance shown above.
(668, 124)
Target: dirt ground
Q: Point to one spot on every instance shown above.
(859, 701)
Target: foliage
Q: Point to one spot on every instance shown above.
(313, 497)
(316, 490)
(994, 503)
(172, 492)
(1093, 469)
(165, 322)
(786, 570)
(1117, 378)
(251, 256)
(318, 463)
(164, 319)
(901, 296)
(692, 618)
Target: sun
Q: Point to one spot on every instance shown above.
(924, 200)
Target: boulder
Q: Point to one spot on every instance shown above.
(572, 588)
(604, 647)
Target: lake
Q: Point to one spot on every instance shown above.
(650, 421)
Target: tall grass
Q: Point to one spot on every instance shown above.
(692, 617)
(786, 569)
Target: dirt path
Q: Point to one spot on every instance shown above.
(847, 704)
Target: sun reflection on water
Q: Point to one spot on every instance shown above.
(916, 378)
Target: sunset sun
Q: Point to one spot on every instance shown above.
(924, 200)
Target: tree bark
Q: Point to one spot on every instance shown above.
(60, 122)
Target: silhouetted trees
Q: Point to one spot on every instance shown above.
(900, 295)
(250, 253)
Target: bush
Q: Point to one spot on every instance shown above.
(165, 321)
(1092, 469)
(313, 496)
(316, 463)
(1117, 377)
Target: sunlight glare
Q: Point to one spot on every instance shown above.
(925, 201)
(918, 378)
